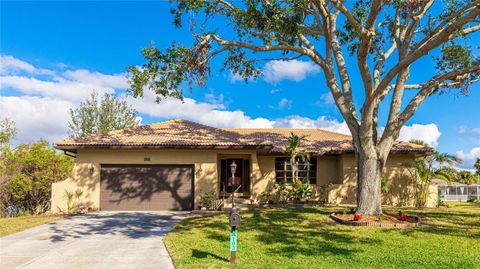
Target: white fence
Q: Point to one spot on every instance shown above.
(459, 192)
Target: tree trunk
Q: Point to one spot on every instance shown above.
(369, 193)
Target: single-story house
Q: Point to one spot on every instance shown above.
(169, 165)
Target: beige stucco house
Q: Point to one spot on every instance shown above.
(169, 165)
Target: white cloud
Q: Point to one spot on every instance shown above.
(190, 109)
(60, 88)
(234, 77)
(273, 91)
(36, 117)
(327, 98)
(470, 135)
(428, 133)
(285, 103)
(117, 81)
(71, 85)
(321, 122)
(43, 110)
(469, 157)
(61, 65)
(462, 129)
(12, 65)
(219, 100)
(295, 70)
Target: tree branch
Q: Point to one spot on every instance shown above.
(351, 19)
(229, 43)
(365, 49)
(332, 40)
(416, 18)
(414, 55)
(227, 4)
(426, 89)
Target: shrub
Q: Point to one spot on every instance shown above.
(323, 192)
(300, 191)
(265, 195)
(441, 203)
(27, 173)
(281, 191)
(23, 214)
(471, 200)
(209, 200)
(72, 198)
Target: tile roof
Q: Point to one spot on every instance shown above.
(187, 134)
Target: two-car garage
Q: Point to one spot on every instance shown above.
(146, 187)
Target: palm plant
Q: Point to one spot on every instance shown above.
(301, 188)
(428, 168)
(296, 153)
(477, 166)
(72, 198)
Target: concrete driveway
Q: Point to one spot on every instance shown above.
(96, 240)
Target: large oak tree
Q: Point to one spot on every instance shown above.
(384, 38)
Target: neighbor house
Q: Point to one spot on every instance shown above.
(169, 165)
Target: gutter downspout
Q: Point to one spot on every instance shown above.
(70, 155)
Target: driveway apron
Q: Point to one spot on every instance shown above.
(96, 240)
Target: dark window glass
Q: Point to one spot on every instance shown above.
(306, 170)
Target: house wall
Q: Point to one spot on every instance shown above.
(266, 176)
(338, 171)
(401, 184)
(205, 163)
(80, 179)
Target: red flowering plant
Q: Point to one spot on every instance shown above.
(402, 216)
(357, 217)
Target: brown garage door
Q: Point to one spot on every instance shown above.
(146, 187)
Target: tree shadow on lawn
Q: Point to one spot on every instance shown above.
(296, 235)
(285, 232)
(456, 224)
(203, 255)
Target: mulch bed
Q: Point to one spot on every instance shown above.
(386, 221)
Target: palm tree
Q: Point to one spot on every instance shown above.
(296, 153)
(300, 188)
(428, 168)
(477, 166)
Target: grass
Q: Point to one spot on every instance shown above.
(17, 224)
(308, 238)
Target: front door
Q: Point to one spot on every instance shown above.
(241, 182)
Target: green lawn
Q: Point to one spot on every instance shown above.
(308, 238)
(17, 224)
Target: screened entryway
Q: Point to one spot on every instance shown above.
(459, 192)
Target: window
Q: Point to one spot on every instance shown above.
(306, 170)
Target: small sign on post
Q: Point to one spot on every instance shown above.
(234, 218)
(234, 223)
(233, 244)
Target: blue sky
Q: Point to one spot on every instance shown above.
(55, 53)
